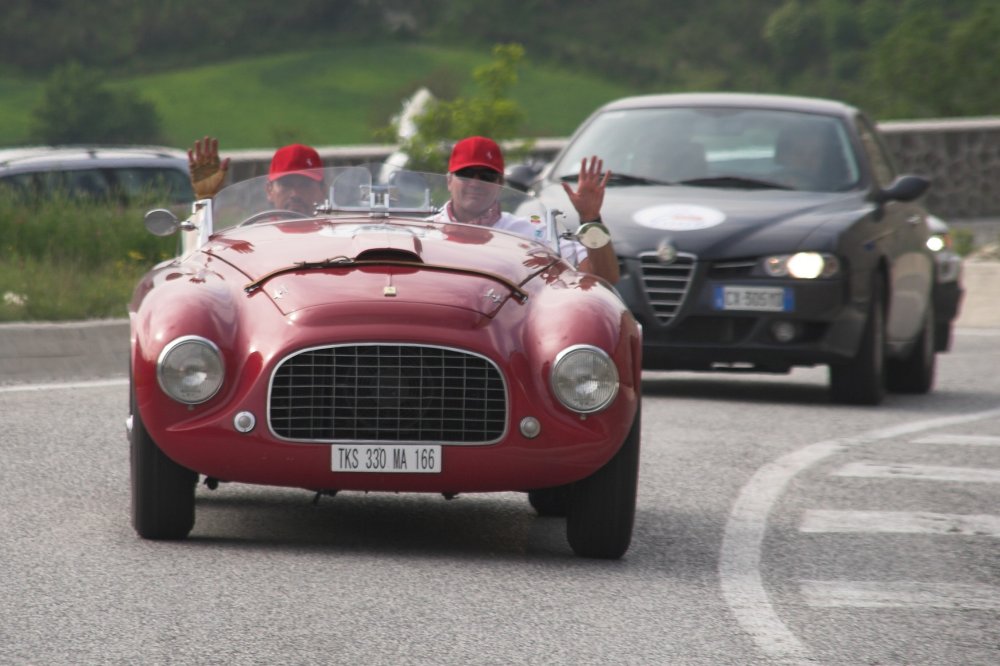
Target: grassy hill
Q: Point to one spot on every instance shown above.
(329, 96)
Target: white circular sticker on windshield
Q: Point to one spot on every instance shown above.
(679, 217)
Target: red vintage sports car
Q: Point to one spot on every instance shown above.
(366, 347)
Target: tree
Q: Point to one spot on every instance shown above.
(77, 107)
(491, 113)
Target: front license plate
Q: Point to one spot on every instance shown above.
(759, 299)
(425, 459)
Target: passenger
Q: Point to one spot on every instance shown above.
(294, 180)
(475, 174)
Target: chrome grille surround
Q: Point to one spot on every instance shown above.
(387, 392)
(666, 285)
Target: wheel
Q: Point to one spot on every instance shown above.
(162, 490)
(915, 373)
(861, 381)
(276, 214)
(601, 507)
(550, 501)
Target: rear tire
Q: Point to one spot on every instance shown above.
(915, 373)
(861, 381)
(601, 508)
(162, 491)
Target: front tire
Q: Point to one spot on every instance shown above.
(915, 373)
(162, 491)
(861, 381)
(601, 508)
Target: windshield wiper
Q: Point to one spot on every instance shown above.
(740, 182)
(624, 179)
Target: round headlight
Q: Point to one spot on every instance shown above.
(584, 379)
(805, 265)
(190, 369)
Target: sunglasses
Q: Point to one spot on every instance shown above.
(480, 173)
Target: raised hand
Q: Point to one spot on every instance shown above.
(588, 197)
(206, 169)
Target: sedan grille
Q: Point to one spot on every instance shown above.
(666, 285)
(388, 393)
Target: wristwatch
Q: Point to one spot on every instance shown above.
(593, 235)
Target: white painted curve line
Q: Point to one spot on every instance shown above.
(819, 521)
(965, 440)
(96, 383)
(739, 557)
(919, 472)
(905, 595)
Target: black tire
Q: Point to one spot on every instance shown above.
(162, 491)
(915, 373)
(861, 381)
(601, 508)
(550, 501)
(942, 336)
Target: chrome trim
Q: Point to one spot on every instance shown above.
(176, 342)
(565, 352)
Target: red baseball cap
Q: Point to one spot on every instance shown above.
(296, 159)
(476, 151)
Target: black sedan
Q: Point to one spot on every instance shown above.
(761, 232)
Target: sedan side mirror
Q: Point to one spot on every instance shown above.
(904, 188)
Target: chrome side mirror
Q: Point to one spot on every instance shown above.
(161, 222)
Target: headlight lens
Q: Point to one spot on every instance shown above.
(584, 379)
(190, 369)
(802, 265)
(938, 242)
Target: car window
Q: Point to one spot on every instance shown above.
(796, 150)
(137, 182)
(88, 183)
(882, 169)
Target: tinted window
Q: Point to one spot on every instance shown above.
(137, 182)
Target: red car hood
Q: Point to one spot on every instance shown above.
(462, 266)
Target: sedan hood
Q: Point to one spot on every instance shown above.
(299, 263)
(719, 223)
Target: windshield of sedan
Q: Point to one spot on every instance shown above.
(718, 147)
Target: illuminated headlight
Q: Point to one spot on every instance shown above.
(584, 379)
(938, 242)
(802, 265)
(190, 369)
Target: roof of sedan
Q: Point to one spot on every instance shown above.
(783, 102)
(82, 156)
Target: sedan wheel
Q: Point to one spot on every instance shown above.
(601, 507)
(861, 381)
(162, 490)
(915, 373)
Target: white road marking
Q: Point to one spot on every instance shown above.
(919, 472)
(739, 557)
(969, 440)
(907, 595)
(900, 522)
(96, 383)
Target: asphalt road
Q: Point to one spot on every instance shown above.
(773, 528)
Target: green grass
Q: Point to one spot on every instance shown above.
(67, 260)
(330, 96)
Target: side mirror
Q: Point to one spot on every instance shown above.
(904, 188)
(161, 222)
(521, 176)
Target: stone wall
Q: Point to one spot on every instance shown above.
(961, 157)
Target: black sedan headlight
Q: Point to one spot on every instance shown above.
(802, 265)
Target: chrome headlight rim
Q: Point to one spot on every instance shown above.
(805, 265)
(174, 345)
(595, 352)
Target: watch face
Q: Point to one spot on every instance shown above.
(594, 236)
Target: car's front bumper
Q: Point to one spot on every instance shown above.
(703, 333)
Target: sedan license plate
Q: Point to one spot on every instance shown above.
(425, 459)
(759, 299)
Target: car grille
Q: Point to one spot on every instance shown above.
(388, 393)
(666, 285)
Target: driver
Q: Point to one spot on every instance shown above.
(475, 174)
(294, 180)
